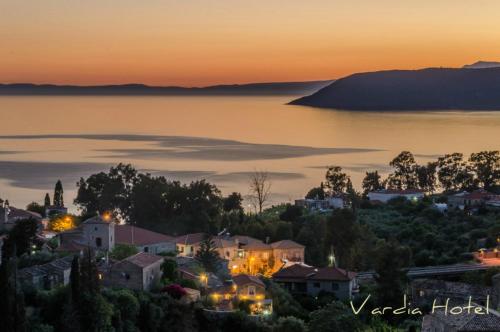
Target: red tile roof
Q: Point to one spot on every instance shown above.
(299, 271)
(192, 238)
(143, 259)
(129, 234)
(286, 244)
(244, 279)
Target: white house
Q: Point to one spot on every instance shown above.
(386, 195)
(333, 202)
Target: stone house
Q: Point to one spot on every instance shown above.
(189, 244)
(139, 272)
(145, 240)
(49, 275)
(468, 200)
(303, 279)
(99, 233)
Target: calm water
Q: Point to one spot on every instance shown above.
(219, 138)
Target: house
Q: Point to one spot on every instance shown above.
(385, 195)
(243, 287)
(189, 244)
(139, 272)
(245, 254)
(49, 275)
(99, 232)
(145, 240)
(9, 215)
(304, 279)
(468, 200)
(443, 321)
(332, 202)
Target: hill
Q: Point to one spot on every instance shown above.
(425, 89)
(281, 88)
(482, 64)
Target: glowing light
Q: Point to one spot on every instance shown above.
(106, 216)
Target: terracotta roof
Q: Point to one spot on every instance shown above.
(257, 245)
(192, 238)
(223, 243)
(71, 246)
(286, 244)
(299, 271)
(244, 279)
(128, 234)
(143, 259)
(243, 239)
(332, 273)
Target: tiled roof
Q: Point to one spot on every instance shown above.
(15, 213)
(468, 322)
(128, 234)
(244, 279)
(143, 259)
(286, 244)
(192, 238)
(243, 239)
(223, 243)
(95, 220)
(257, 245)
(299, 271)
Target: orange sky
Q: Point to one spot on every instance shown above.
(202, 42)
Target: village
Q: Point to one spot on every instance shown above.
(229, 273)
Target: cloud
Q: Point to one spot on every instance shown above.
(200, 148)
(245, 176)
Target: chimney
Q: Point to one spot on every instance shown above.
(267, 239)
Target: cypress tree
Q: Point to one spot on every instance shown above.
(58, 194)
(75, 278)
(46, 200)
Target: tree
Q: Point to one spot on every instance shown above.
(291, 213)
(404, 176)
(62, 223)
(486, 165)
(208, 254)
(343, 235)
(454, 173)
(334, 317)
(74, 278)
(175, 291)
(289, 324)
(426, 176)
(316, 193)
(336, 180)
(371, 182)
(169, 269)
(260, 189)
(46, 200)
(35, 207)
(390, 261)
(122, 251)
(59, 194)
(89, 275)
(20, 238)
(233, 202)
(11, 298)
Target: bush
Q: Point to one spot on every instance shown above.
(289, 324)
(175, 291)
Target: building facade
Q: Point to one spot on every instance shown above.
(139, 272)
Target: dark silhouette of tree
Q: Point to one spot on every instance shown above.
(89, 275)
(12, 307)
(426, 176)
(59, 194)
(169, 269)
(404, 175)
(486, 165)
(46, 200)
(35, 207)
(208, 254)
(343, 233)
(454, 173)
(317, 192)
(336, 180)
(233, 202)
(20, 238)
(334, 317)
(74, 278)
(260, 189)
(371, 182)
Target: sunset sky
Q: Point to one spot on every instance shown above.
(202, 42)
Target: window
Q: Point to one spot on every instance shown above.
(146, 249)
(316, 285)
(192, 249)
(335, 286)
(251, 290)
(98, 242)
(95, 228)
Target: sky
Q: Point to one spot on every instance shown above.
(204, 42)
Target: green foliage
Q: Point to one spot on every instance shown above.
(208, 255)
(283, 303)
(289, 324)
(122, 251)
(334, 317)
(336, 180)
(37, 208)
(11, 298)
(20, 238)
(316, 193)
(371, 182)
(233, 202)
(169, 269)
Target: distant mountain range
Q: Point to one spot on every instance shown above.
(482, 64)
(425, 89)
(281, 88)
